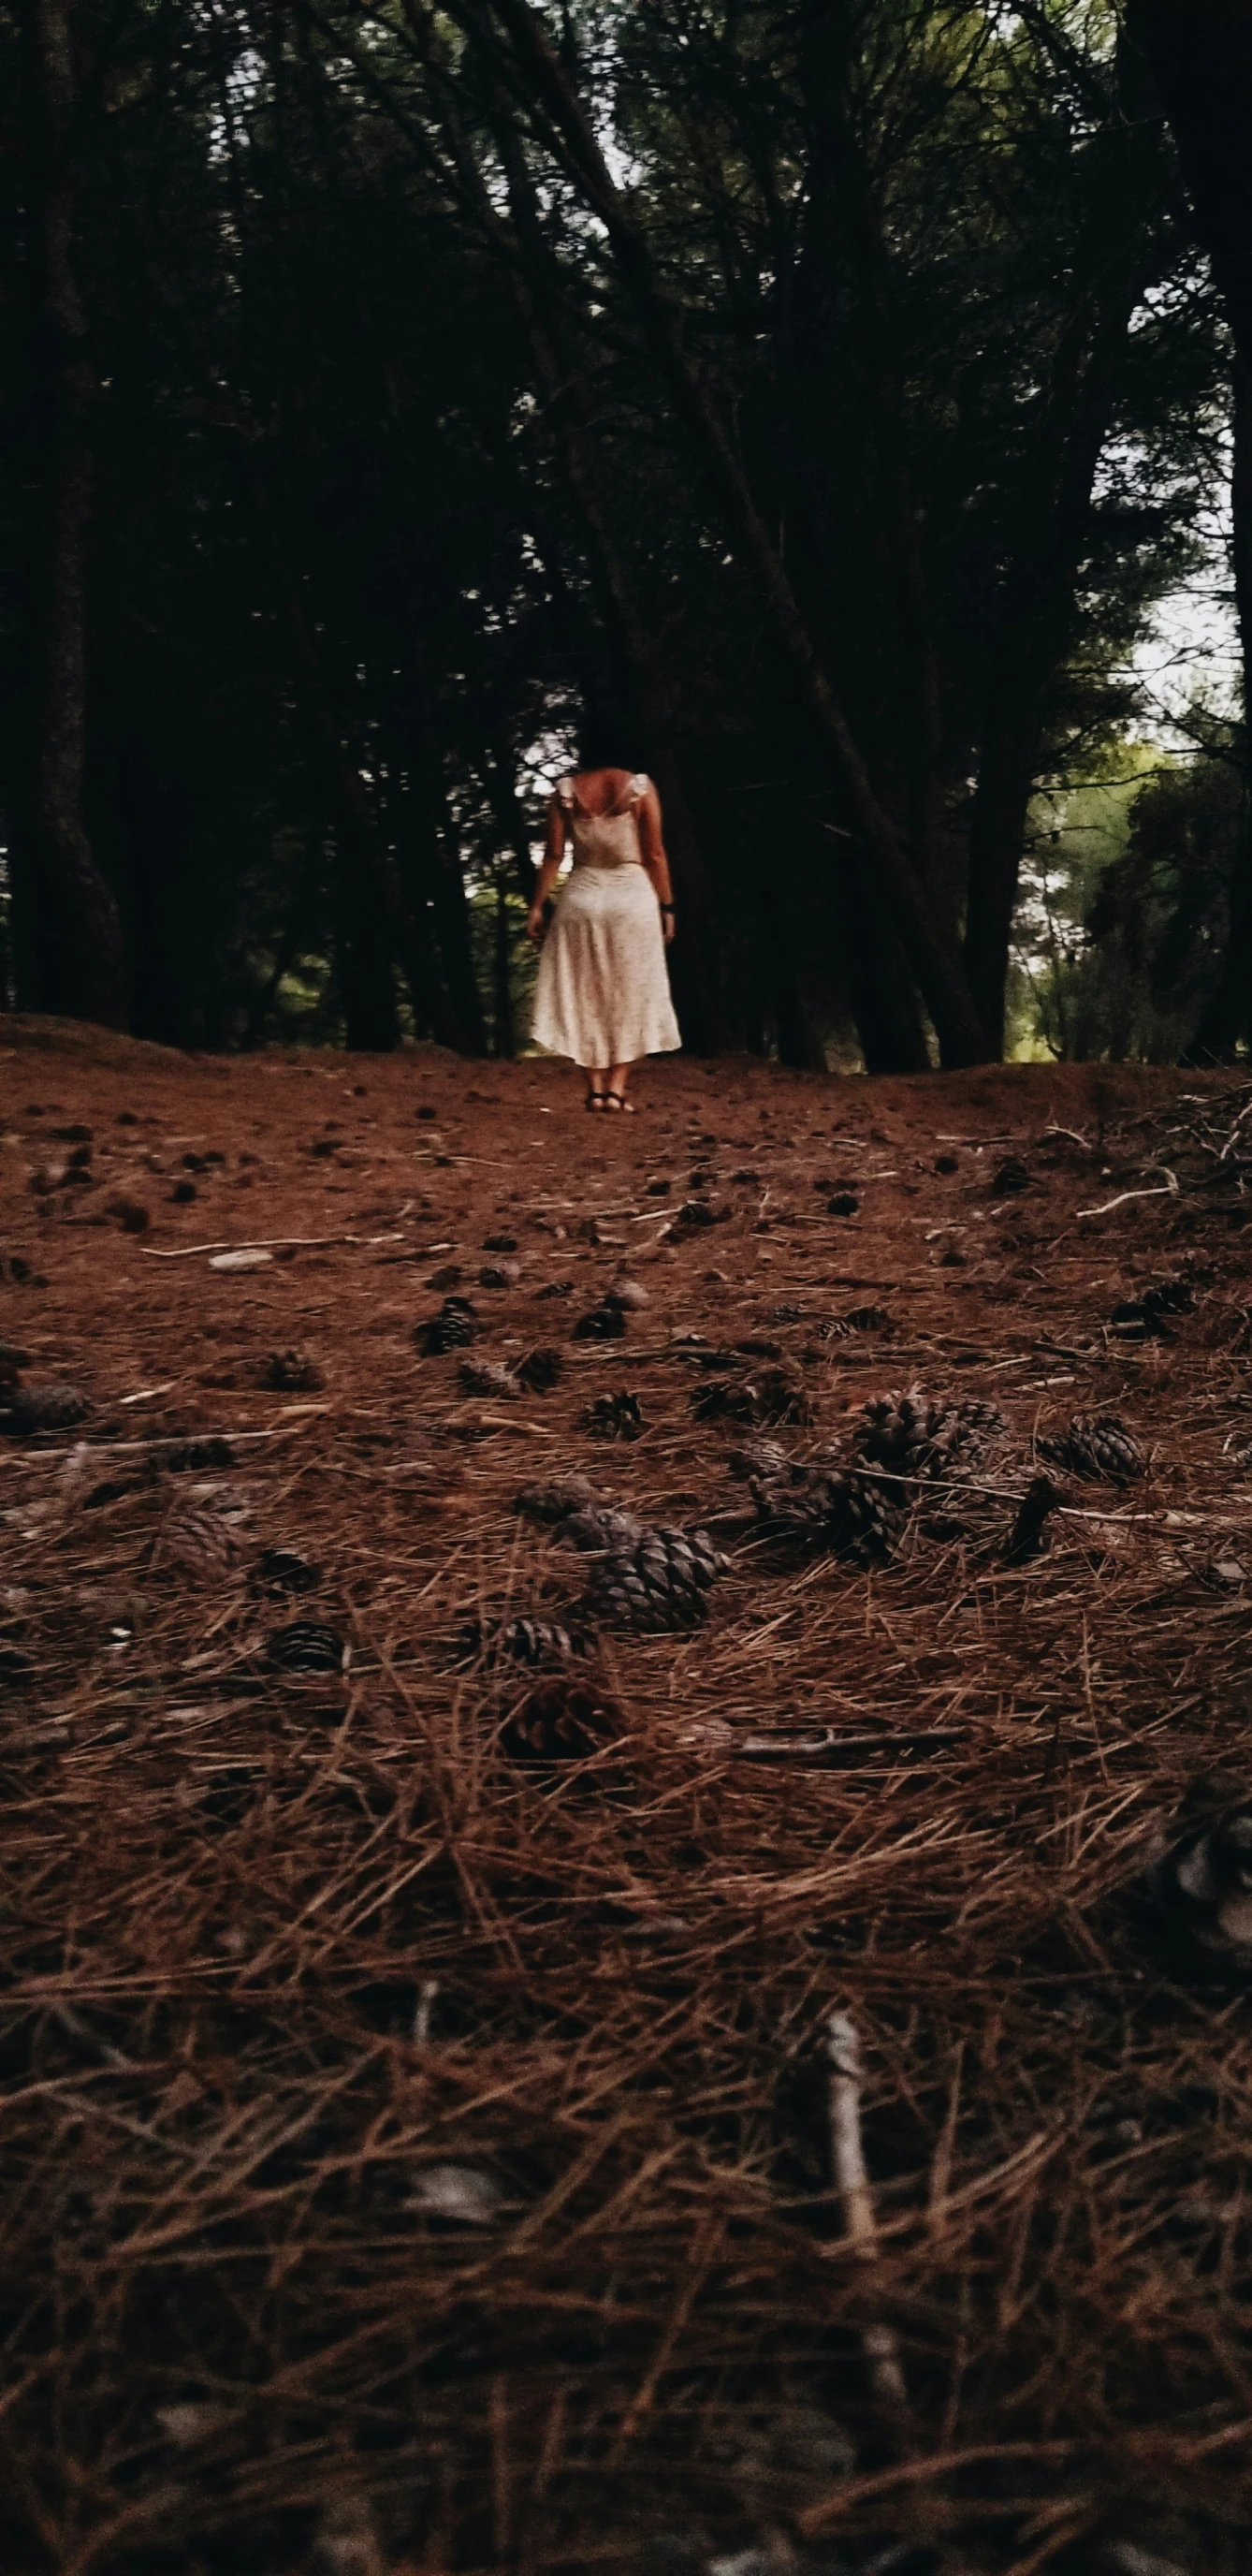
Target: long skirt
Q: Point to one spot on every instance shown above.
(603, 992)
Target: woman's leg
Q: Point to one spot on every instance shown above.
(615, 1083)
(599, 1080)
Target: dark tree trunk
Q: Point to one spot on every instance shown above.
(1201, 62)
(504, 1031)
(363, 964)
(377, 878)
(69, 933)
(1037, 601)
(1228, 1017)
(846, 217)
(169, 941)
(881, 990)
(436, 861)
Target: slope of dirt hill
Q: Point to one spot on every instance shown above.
(418, 2136)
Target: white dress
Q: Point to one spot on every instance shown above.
(602, 994)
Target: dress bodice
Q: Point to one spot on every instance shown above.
(609, 840)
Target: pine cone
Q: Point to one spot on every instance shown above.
(499, 1243)
(196, 1542)
(555, 1502)
(896, 1432)
(787, 1314)
(488, 1377)
(774, 1395)
(695, 1214)
(1202, 1885)
(306, 1647)
(538, 1642)
(1026, 1538)
(500, 1274)
(44, 1408)
(131, 1214)
(844, 1203)
(1098, 1446)
(539, 1370)
(174, 1457)
(293, 1372)
(599, 1527)
(564, 1718)
(604, 1323)
(657, 1587)
(859, 1319)
(615, 1417)
(1142, 1319)
(283, 1569)
(829, 1506)
(910, 1436)
(1009, 1177)
(452, 1329)
(765, 1458)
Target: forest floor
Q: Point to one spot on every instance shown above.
(417, 2157)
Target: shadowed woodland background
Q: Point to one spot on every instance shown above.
(822, 397)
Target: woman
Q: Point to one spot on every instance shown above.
(603, 993)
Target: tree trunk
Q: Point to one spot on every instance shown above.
(359, 844)
(881, 988)
(69, 930)
(1037, 599)
(1228, 1016)
(932, 950)
(436, 861)
(363, 964)
(503, 1032)
(846, 213)
(1201, 62)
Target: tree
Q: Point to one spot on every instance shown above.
(67, 929)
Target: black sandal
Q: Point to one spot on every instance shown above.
(594, 1100)
(619, 1102)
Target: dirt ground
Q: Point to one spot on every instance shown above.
(417, 2157)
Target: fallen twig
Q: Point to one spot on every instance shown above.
(1169, 1190)
(847, 2155)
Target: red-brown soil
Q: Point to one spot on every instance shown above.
(277, 1948)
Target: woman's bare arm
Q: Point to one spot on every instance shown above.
(652, 844)
(553, 853)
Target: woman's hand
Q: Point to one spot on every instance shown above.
(667, 922)
(535, 924)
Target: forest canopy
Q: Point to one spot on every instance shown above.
(827, 402)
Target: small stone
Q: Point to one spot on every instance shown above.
(461, 2193)
(628, 1294)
